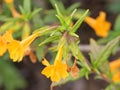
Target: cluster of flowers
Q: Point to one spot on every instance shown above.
(59, 70)
(17, 49)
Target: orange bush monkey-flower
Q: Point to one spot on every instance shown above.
(3, 45)
(115, 70)
(100, 25)
(17, 48)
(11, 6)
(56, 71)
(4, 40)
(8, 1)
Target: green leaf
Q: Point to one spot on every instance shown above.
(59, 4)
(50, 17)
(112, 86)
(73, 13)
(73, 34)
(80, 20)
(22, 10)
(9, 76)
(26, 31)
(106, 51)
(35, 12)
(78, 55)
(61, 19)
(44, 30)
(105, 68)
(50, 39)
(117, 23)
(40, 52)
(3, 18)
(58, 10)
(94, 49)
(73, 6)
(6, 26)
(114, 7)
(27, 6)
(37, 21)
(76, 51)
(60, 16)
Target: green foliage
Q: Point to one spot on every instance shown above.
(26, 11)
(113, 87)
(27, 6)
(55, 31)
(10, 77)
(50, 39)
(67, 21)
(104, 53)
(40, 52)
(113, 6)
(80, 20)
(116, 25)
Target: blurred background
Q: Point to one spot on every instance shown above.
(27, 75)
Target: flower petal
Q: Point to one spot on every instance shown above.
(47, 71)
(45, 62)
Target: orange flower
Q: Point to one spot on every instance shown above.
(17, 48)
(100, 25)
(12, 8)
(3, 42)
(14, 12)
(9, 1)
(115, 69)
(56, 71)
(3, 46)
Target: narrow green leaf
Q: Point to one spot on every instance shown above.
(53, 2)
(27, 6)
(105, 68)
(80, 20)
(50, 39)
(44, 30)
(40, 52)
(26, 31)
(73, 34)
(78, 54)
(6, 26)
(76, 51)
(73, 12)
(61, 20)
(94, 49)
(3, 18)
(106, 51)
(59, 15)
(59, 4)
(58, 10)
(22, 10)
(10, 76)
(117, 23)
(35, 12)
(73, 6)
(114, 7)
